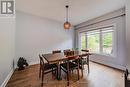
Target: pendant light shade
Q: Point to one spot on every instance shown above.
(67, 24)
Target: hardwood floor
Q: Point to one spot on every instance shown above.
(99, 76)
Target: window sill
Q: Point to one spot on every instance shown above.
(106, 55)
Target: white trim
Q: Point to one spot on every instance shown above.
(7, 78)
(96, 28)
(33, 63)
(105, 17)
(11, 73)
(118, 66)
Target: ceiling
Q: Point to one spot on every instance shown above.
(79, 11)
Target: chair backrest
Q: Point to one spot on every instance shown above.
(126, 73)
(65, 51)
(126, 79)
(68, 52)
(85, 50)
(56, 51)
(41, 61)
(71, 56)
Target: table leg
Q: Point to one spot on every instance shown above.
(88, 63)
(58, 72)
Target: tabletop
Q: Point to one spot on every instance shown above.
(60, 56)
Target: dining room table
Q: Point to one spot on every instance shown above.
(58, 58)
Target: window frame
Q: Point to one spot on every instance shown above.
(100, 28)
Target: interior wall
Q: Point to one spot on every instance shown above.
(128, 33)
(36, 35)
(7, 47)
(117, 19)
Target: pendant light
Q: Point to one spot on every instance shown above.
(67, 24)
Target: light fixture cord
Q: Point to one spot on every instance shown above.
(67, 13)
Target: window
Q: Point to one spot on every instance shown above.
(98, 41)
(107, 41)
(93, 41)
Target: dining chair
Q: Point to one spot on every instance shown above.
(68, 66)
(45, 68)
(85, 59)
(56, 51)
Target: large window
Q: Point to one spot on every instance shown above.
(98, 41)
(93, 41)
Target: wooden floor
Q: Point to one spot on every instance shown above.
(99, 76)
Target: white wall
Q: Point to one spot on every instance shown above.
(36, 35)
(117, 61)
(7, 49)
(128, 33)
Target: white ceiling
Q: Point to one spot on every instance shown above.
(80, 10)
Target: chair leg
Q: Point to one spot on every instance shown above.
(88, 63)
(82, 72)
(82, 68)
(78, 73)
(40, 72)
(78, 68)
(55, 72)
(67, 78)
(52, 73)
(88, 68)
(42, 76)
(68, 73)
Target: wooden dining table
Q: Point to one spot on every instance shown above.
(59, 57)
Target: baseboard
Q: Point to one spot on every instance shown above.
(121, 68)
(33, 63)
(7, 78)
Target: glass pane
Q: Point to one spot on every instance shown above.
(107, 42)
(83, 41)
(93, 41)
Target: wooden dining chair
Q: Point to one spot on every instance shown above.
(45, 68)
(84, 60)
(69, 66)
(56, 51)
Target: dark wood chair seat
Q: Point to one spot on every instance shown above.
(49, 67)
(81, 61)
(72, 66)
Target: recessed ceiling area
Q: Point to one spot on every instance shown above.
(79, 11)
